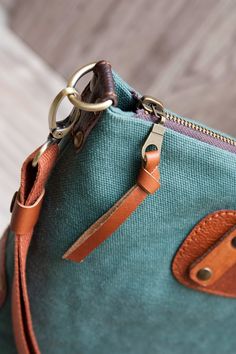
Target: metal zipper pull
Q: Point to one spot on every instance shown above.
(155, 138)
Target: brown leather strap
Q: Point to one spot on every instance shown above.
(147, 182)
(25, 214)
(25, 217)
(102, 85)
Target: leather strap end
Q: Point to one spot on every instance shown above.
(148, 182)
(106, 225)
(81, 252)
(24, 218)
(218, 260)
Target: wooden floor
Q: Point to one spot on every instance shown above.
(183, 52)
(27, 87)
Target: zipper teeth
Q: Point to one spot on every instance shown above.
(199, 128)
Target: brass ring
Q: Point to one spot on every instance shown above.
(76, 101)
(56, 131)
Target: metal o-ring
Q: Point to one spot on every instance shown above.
(76, 101)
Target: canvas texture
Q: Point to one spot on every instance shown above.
(123, 298)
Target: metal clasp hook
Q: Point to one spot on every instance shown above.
(50, 141)
(59, 130)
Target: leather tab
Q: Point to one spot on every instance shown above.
(206, 260)
(25, 217)
(217, 261)
(100, 89)
(104, 81)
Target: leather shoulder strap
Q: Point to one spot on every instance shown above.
(25, 214)
(26, 210)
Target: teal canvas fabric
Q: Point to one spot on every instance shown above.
(123, 299)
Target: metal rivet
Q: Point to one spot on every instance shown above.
(204, 274)
(233, 242)
(78, 139)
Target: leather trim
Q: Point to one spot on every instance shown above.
(148, 182)
(102, 85)
(217, 260)
(32, 186)
(3, 282)
(25, 217)
(100, 88)
(202, 240)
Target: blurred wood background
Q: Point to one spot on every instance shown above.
(183, 52)
(27, 87)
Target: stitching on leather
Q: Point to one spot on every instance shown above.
(192, 237)
(193, 233)
(206, 253)
(25, 299)
(17, 295)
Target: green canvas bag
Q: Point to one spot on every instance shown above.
(123, 232)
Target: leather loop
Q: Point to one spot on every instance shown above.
(148, 182)
(25, 217)
(101, 88)
(104, 80)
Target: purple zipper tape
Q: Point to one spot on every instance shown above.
(195, 134)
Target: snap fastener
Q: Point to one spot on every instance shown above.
(204, 274)
(78, 139)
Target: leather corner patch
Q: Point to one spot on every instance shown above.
(206, 260)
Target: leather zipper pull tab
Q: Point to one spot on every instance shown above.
(147, 183)
(106, 225)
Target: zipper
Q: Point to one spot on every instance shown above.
(153, 107)
(172, 117)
